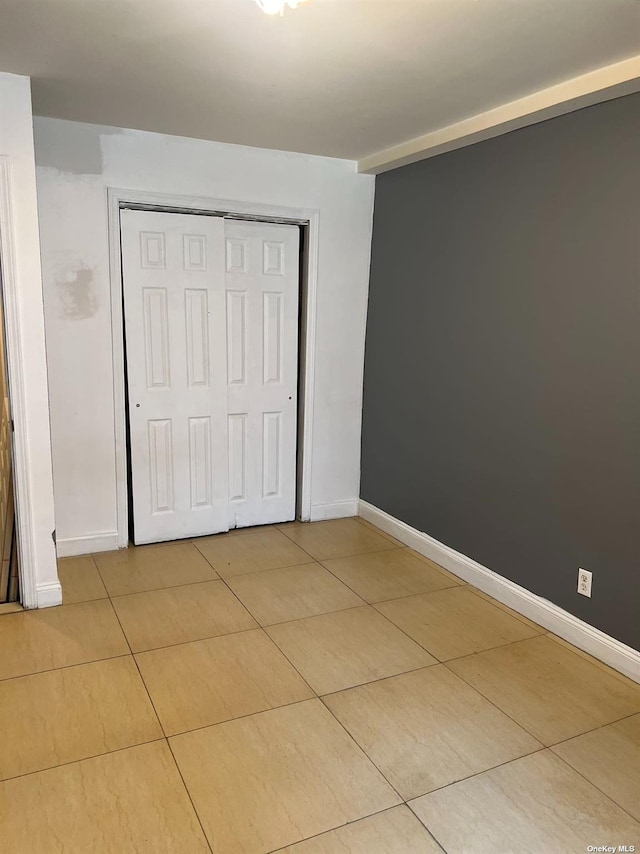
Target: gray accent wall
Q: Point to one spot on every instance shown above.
(502, 367)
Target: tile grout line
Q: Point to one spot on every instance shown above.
(373, 608)
(285, 705)
(165, 737)
(426, 827)
(65, 666)
(522, 726)
(267, 528)
(594, 729)
(152, 589)
(491, 649)
(220, 577)
(371, 605)
(505, 609)
(544, 747)
(595, 785)
(317, 697)
(263, 629)
(348, 824)
(295, 619)
(419, 643)
(319, 560)
(591, 659)
(241, 717)
(174, 587)
(84, 759)
(363, 752)
(379, 679)
(186, 788)
(166, 587)
(392, 598)
(460, 581)
(369, 681)
(371, 527)
(541, 748)
(365, 604)
(197, 640)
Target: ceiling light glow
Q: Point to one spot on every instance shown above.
(277, 7)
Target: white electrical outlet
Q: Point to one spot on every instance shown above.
(584, 582)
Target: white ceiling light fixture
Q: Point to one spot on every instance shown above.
(277, 7)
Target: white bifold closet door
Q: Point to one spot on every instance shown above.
(211, 334)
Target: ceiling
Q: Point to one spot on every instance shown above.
(344, 78)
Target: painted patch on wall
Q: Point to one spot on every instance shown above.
(78, 299)
(77, 154)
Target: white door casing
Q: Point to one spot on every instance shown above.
(211, 322)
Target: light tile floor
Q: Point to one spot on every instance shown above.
(309, 689)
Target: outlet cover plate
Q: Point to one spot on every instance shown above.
(584, 582)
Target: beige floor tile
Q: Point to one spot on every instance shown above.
(64, 715)
(395, 831)
(382, 533)
(390, 574)
(534, 805)
(292, 593)
(210, 681)
(138, 568)
(269, 780)
(347, 648)
(80, 580)
(47, 638)
(552, 692)
(427, 729)
(250, 552)
(336, 538)
(130, 801)
(587, 657)
(10, 608)
(537, 628)
(180, 614)
(454, 622)
(610, 758)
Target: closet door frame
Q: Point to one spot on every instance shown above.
(117, 199)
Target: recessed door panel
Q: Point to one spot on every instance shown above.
(156, 334)
(271, 454)
(272, 336)
(200, 461)
(236, 337)
(196, 306)
(237, 456)
(161, 466)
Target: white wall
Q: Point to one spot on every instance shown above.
(75, 165)
(26, 345)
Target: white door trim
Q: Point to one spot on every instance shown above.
(25, 524)
(116, 198)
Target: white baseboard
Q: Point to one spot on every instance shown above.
(105, 541)
(48, 595)
(553, 618)
(335, 510)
